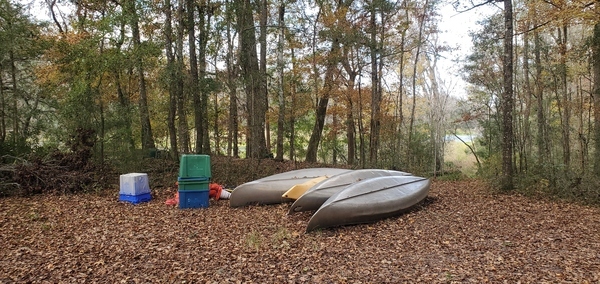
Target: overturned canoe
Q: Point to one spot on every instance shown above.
(269, 190)
(314, 197)
(370, 200)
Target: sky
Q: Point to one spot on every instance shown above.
(455, 29)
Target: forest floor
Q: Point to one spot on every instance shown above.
(462, 233)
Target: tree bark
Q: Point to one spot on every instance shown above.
(147, 137)
(264, 105)
(253, 80)
(526, 132)
(281, 97)
(328, 86)
(205, 12)
(232, 139)
(292, 109)
(2, 110)
(184, 136)
(596, 92)
(566, 97)
(350, 124)
(507, 100)
(171, 125)
(414, 85)
(194, 84)
(321, 112)
(542, 139)
(375, 91)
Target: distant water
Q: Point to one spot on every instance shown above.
(466, 138)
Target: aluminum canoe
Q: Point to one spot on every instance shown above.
(370, 200)
(314, 197)
(269, 190)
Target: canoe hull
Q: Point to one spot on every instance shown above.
(314, 197)
(370, 200)
(269, 190)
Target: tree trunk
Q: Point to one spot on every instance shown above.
(375, 91)
(542, 138)
(264, 105)
(281, 97)
(328, 86)
(253, 80)
(507, 100)
(184, 136)
(147, 137)
(205, 12)
(526, 132)
(363, 154)
(566, 98)
(172, 79)
(2, 110)
(292, 109)
(414, 85)
(400, 100)
(596, 92)
(321, 112)
(350, 124)
(13, 73)
(232, 137)
(194, 84)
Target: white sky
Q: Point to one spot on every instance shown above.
(455, 28)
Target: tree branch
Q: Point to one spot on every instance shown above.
(475, 6)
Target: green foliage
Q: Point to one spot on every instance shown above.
(421, 152)
(552, 184)
(14, 147)
(451, 173)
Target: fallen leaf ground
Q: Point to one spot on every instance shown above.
(460, 233)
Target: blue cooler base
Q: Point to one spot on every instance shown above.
(135, 199)
(193, 199)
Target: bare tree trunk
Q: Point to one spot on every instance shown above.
(363, 154)
(596, 91)
(400, 98)
(232, 137)
(253, 80)
(263, 74)
(194, 84)
(583, 141)
(281, 97)
(328, 87)
(507, 99)
(375, 92)
(2, 109)
(292, 108)
(350, 124)
(184, 136)
(321, 112)
(13, 73)
(526, 133)
(205, 11)
(566, 97)
(414, 84)
(147, 137)
(172, 85)
(542, 138)
(437, 113)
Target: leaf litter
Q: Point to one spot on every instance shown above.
(462, 233)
